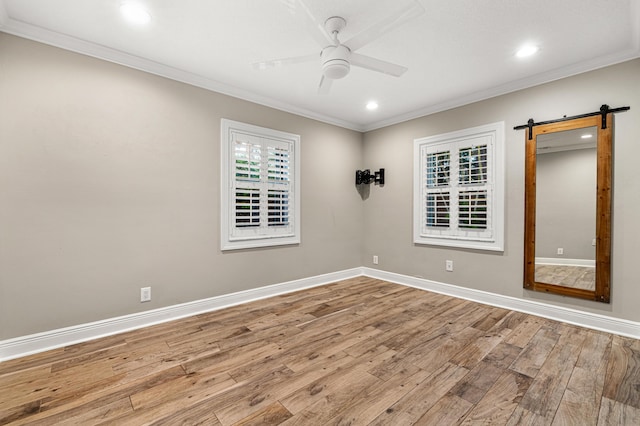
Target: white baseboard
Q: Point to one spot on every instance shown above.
(565, 262)
(572, 316)
(40, 342)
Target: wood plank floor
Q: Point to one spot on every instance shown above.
(356, 352)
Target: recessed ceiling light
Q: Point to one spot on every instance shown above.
(372, 105)
(135, 13)
(527, 50)
(587, 136)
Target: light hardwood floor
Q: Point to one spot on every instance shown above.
(356, 352)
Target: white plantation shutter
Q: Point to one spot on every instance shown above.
(475, 188)
(260, 188)
(456, 181)
(279, 183)
(456, 189)
(247, 163)
(437, 175)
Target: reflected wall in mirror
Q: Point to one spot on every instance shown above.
(567, 208)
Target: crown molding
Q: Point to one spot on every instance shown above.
(63, 41)
(513, 86)
(73, 44)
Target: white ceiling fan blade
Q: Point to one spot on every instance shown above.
(325, 85)
(315, 27)
(285, 61)
(374, 64)
(412, 10)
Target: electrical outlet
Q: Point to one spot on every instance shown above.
(449, 265)
(560, 250)
(375, 259)
(145, 294)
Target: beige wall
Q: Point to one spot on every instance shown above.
(388, 211)
(566, 204)
(109, 181)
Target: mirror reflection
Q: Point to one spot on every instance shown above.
(568, 169)
(566, 193)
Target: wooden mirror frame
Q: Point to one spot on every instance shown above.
(603, 209)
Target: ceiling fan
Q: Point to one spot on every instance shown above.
(336, 57)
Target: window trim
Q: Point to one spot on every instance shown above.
(227, 194)
(495, 131)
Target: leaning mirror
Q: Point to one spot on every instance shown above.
(568, 208)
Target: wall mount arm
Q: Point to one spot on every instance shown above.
(365, 177)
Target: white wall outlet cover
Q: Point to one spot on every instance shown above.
(145, 294)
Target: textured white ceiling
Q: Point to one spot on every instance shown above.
(457, 51)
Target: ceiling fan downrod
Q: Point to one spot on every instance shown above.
(335, 59)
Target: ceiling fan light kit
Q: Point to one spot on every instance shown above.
(335, 62)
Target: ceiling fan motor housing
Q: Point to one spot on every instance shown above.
(335, 62)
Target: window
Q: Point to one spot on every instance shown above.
(459, 188)
(260, 186)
